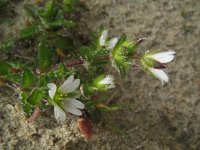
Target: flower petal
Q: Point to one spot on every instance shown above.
(69, 108)
(160, 74)
(107, 80)
(103, 38)
(111, 44)
(163, 57)
(66, 84)
(52, 89)
(111, 86)
(59, 114)
(74, 85)
(74, 103)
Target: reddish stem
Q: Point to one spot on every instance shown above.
(135, 65)
(140, 40)
(35, 115)
(75, 63)
(81, 62)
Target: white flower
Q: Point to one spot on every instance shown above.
(162, 57)
(111, 44)
(160, 74)
(103, 40)
(108, 81)
(64, 103)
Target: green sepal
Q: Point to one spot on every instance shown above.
(45, 54)
(88, 89)
(147, 63)
(99, 87)
(121, 64)
(74, 94)
(28, 32)
(27, 78)
(130, 46)
(36, 97)
(120, 55)
(117, 49)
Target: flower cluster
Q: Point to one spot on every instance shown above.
(53, 26)
(64, 98)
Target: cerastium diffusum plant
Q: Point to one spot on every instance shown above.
(64, 70)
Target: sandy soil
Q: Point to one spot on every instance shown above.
(156, 117)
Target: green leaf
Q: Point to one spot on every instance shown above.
(31, 11)
(69, 5)
(45, 54)
(28, 32)
(62, 69)
(88, 89)
(110, 108)
(130, 46)
(51, 11)
(121, 65)
(5, 68)
(14, 77)
(86, 53)
(43, 81)
(7, 45)
(25, 105)
(27, 78)
(120, 55)
(64, 43)
(36, 97)
(100, 87)
(58, 24)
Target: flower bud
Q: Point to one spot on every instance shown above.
(104, 83)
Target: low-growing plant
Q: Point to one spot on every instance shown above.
(63, 69)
